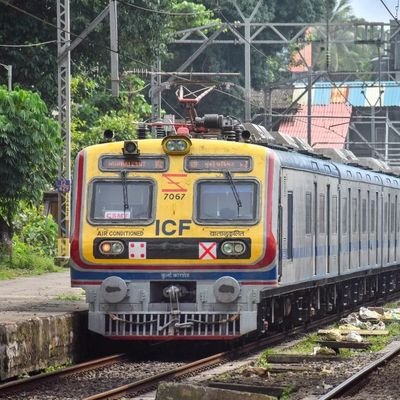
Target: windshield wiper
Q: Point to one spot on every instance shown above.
(125, 192)
(234, 190)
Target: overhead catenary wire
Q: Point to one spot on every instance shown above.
(162, 12)
(28, 44)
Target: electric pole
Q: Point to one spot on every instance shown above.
(64, 106)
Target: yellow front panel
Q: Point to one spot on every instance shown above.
(174, 202)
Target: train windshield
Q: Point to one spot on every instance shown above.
(127, 201)
(217, 201)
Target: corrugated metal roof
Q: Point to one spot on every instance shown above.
(357, 94)
(329, 125)
(301, 61)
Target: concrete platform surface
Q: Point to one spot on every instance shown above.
(43, 323)
(39, 296)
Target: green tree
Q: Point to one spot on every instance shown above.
(34, 66)
(29, 148)
(341, 56)
(145, 28)
(230, 58)
(94, 110)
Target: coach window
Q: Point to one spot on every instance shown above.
(392, 217)
(308, 212)
(344, 216)
(386, 217)
(321, 215)
(116, 201)
(226, 202)
(290, 226)
(364, 216)
(372, 220)
(334, 214)
(354, 212)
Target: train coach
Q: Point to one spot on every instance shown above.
(214, 234)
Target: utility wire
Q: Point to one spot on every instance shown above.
(28, 45)
(232, 26)
(163, 12)
(5, 2)
(387, 8)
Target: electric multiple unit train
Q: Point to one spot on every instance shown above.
(214, 234)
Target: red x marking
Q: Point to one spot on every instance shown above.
(206, 251)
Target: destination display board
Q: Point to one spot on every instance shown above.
(140, 163)
(218, 163)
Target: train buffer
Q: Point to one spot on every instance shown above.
(343, 344)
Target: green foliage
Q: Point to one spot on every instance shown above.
(29, 145)
(341, 56)
(37, 231)
(24, 261)
(29, 148)
(267, 61)
(95, 110)
(305, 346)
(34, 67)
(379, 342)
(54, 368)
(188, 15)
(71, 296)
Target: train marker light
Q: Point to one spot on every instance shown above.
(111, 247)
(130, 148)
(233, 248)
(176, 145)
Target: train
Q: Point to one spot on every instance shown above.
(217, 230)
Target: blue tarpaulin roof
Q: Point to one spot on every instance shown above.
(356, 94)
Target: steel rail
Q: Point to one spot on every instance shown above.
(148, 384)
(360, 375)
(47, 376)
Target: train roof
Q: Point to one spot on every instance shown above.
(325, 166)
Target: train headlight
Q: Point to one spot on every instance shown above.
(113, 289)
(130, 148)
(233, 248)
(226, 289)
(176, 145)
(111, 247)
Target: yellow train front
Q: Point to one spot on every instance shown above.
(174, 238)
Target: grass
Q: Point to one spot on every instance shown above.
(26, 263)
(379, 342)
(307, 345)
(71, 296)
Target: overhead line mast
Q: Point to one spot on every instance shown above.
(64, 106)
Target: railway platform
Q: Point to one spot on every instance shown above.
(43, 322)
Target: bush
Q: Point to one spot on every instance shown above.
(37, 231)
(26, 258)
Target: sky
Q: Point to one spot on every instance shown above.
(374, 10)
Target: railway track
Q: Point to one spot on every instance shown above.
(98, 380)
(24, 385)
(363, 380)
(118, 376)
